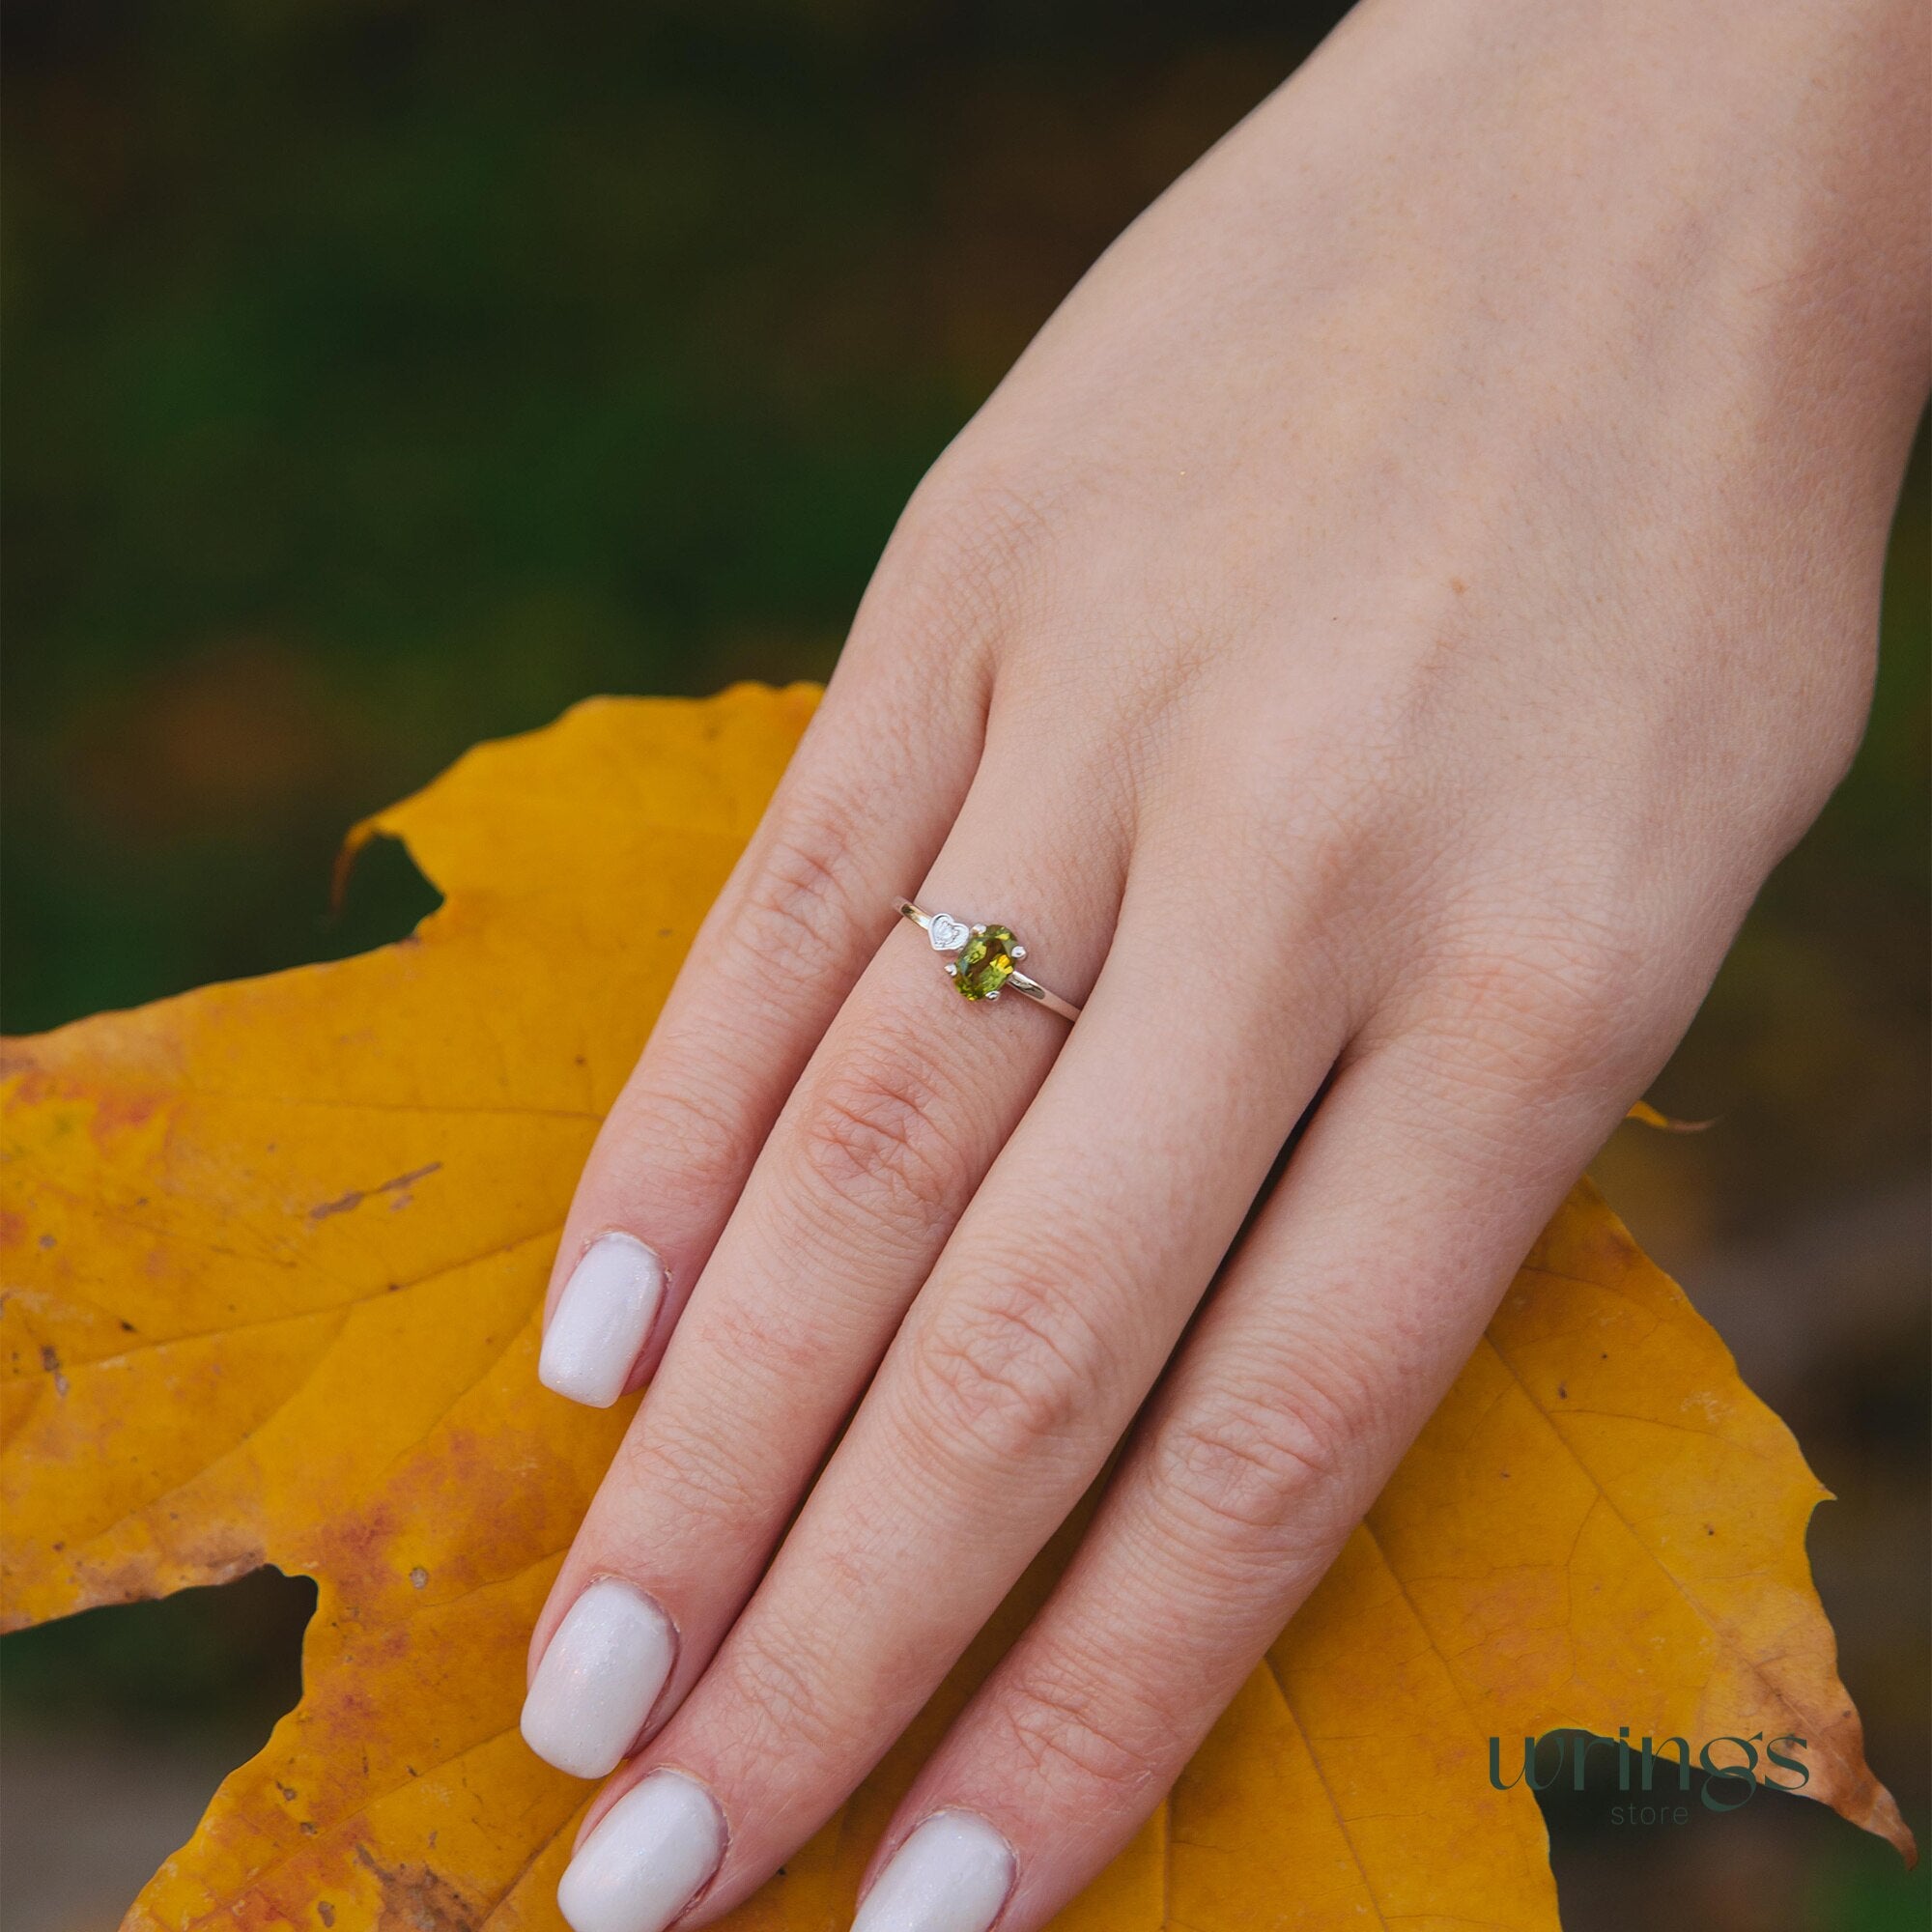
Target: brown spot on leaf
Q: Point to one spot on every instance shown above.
(50, 1361)
(325, 1912)
(346, 1204)
(416, 1899)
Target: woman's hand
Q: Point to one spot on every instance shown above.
(1372, 648)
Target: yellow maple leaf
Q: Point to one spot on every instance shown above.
(275, 1254)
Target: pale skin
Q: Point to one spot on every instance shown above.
(1374, 645)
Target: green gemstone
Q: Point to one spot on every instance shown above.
(986, 964)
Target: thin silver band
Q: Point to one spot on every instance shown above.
(953, 934)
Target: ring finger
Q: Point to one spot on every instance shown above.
(897, 1118)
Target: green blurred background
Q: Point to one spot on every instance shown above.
(380, 377)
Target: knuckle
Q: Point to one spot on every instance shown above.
(1252, 1467)
(799, 905)
(1003, 1371)
(870, 1138)
(681, 1472)
(1064, 1729)
(1552, 1001)
(971, 540)
(1569, 975)
(772, 1707)
(684, 1132)
(764, 1346)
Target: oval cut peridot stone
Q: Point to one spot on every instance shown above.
(986, 964)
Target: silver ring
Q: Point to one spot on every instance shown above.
(988, 961)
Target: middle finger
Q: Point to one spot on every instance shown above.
(1016, 1372)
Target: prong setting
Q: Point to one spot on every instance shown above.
(988, 961)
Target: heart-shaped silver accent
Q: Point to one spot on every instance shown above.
(946, 933)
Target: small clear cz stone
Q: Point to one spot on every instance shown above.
(946, 933)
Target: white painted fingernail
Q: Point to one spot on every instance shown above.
(599, 1678)
(646, 1859)
(602, 1318)
(951, 1875)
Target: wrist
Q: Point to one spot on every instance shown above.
(1737, 185)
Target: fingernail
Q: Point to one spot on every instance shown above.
(602, 1318)
(599, 1678)
(645, 1860)
(951, 1875)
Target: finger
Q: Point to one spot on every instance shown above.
(1350, 1306)
(878, 1152)
(861, 809)
(1051, 1311)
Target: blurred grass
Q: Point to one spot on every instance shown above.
(382, 377)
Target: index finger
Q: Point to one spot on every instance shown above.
(863, 806)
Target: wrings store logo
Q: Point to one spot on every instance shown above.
(1729, 1764)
